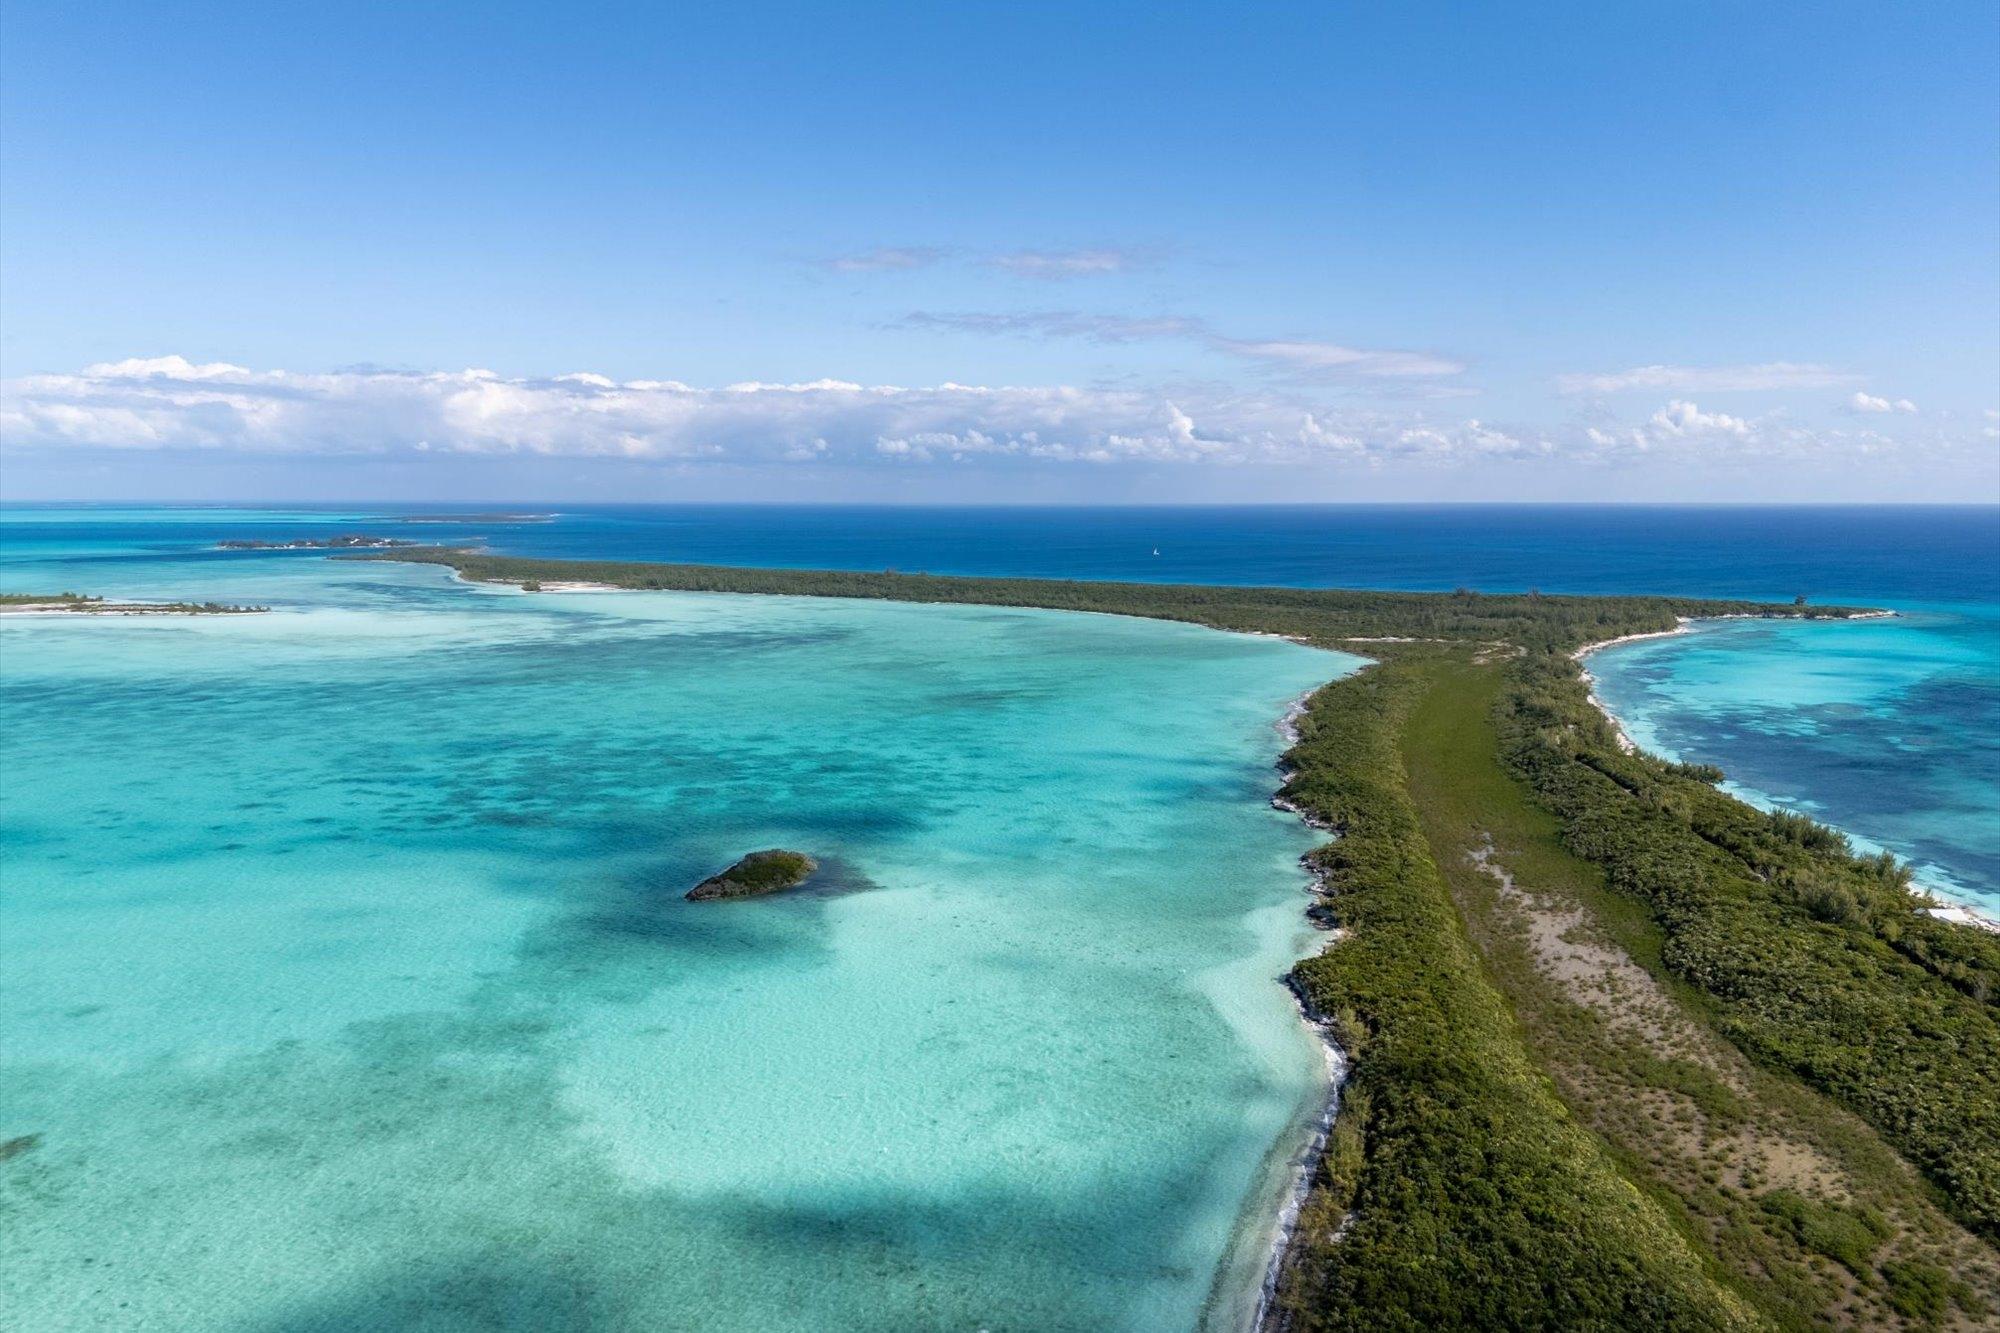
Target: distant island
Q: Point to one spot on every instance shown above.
(759, 873)
(84, 604)
(1619, 1050)
(476, 518)
(345, 543)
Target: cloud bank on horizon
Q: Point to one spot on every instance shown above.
(171, 403)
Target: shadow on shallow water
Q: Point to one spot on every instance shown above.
(528, 1223)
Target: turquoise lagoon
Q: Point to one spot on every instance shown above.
(347, 982)
(1888, 729)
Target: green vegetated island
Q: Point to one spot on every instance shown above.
(346, 542)
(757, 874)
(76, 603)
(1623, 1052)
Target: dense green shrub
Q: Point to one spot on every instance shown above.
(1923, 1293)
(1849, 1236)
(1465, 1196)
(1821, 963)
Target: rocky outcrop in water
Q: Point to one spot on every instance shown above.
(759, 873)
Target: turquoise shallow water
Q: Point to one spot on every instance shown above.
(348, 985)
(1888, 729)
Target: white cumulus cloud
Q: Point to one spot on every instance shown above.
(172, 403)
(1681, 419)
(1868, 402)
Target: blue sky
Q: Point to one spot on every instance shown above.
(1150, 252)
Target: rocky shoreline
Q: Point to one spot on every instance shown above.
(1307, 1159)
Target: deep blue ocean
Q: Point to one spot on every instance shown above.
(1902, 554)
(1919, 554)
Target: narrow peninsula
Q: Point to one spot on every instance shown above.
(1622, 1051)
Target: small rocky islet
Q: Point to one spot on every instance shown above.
(770, 871)
(346, 542)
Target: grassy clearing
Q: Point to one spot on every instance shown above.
(1813, 962)
(1801, 1208)
(1460, 1192)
